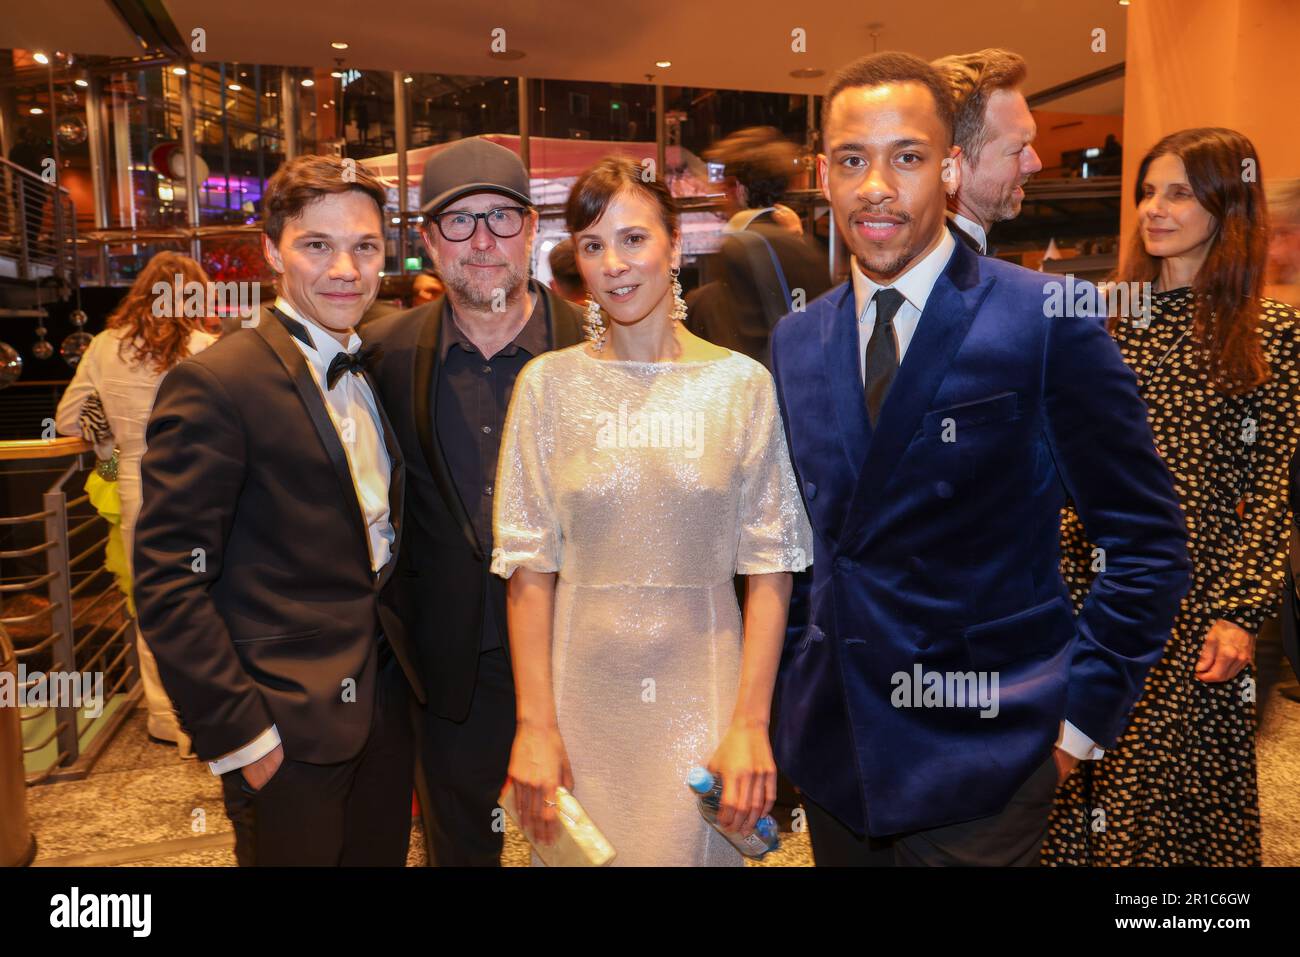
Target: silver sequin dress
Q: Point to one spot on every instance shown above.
(647, 487)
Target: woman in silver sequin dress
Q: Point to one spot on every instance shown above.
(639, 473)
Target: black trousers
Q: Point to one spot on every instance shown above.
(1011, 838)
(462, 767)
(354, 813)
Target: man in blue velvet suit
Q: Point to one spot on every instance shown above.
(939, 416)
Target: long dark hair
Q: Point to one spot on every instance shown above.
(1229, 284)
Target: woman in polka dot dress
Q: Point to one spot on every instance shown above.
(1217, 366)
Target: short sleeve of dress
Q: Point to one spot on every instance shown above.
(525, 524)
(774, 534)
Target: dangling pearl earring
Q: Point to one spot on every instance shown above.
(594, 325)
(679, 304)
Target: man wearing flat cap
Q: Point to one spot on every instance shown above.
(446, 373)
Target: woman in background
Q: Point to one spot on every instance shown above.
(123, 366)
(1217, 366)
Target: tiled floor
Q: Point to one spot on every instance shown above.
(143, 806)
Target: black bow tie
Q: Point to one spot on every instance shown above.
(345, 362)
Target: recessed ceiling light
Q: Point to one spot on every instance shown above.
(663, 64)
(179, 70)
(339, 45)
(41, 58)
(81, 82)
(35, 111)
(408, 79)
(337, 74)
(308, 81)
(234, 87)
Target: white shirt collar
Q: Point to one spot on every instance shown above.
(325, 346)
(915, 284)
(973, 230)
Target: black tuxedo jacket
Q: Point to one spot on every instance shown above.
(252, 566)
(728, 311)
(443, 577)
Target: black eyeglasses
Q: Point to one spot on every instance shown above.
(503, 222)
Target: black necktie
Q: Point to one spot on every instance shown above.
(882, 352)
(345, 362)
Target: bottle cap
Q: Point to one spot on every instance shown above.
(700, 780)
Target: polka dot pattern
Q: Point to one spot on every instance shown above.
(1179, 788)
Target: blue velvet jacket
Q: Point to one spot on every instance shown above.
(936, 563)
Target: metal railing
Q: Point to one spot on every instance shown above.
(74, 619)
(38, 227)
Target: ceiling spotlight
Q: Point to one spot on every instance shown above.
(179, 70)
(339, 45)
(663, 64)
(35, 111)
(337, 74)
(234, 87)
(81, 81)
(41, 58)
(308, 81)
(408, 79)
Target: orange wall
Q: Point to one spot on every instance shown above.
(1212, 63)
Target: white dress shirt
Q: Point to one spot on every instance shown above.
(915, 285)
(972, 229)
(355, 414)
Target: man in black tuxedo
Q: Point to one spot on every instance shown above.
(268, 540)
(446, 373)
(995, 131)
(765, 266)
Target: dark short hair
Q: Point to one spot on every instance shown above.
(592, 193)
(564, 265)
(878, 69)
(761, 159)
(304, 179)
(971, 79)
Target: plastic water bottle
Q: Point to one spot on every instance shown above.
(765, 836)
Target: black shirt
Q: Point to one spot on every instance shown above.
(473, 395)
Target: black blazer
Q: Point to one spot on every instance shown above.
(443, 577)
(729, 310)
(252, 568)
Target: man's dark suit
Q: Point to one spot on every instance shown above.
(730, 311)
(444, 576)
(253, 573)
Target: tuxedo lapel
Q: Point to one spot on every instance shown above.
(396, 481)
(428, 368)
(949, 311)
(295, 364)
